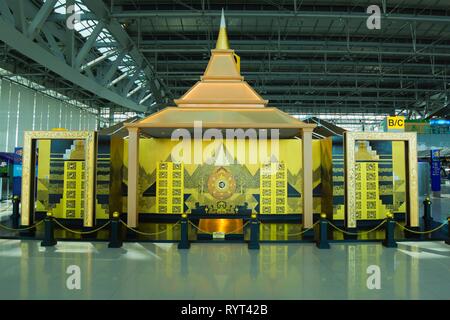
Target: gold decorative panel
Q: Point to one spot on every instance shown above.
(368, 204)
(73, 202)
(273, 188)
(169, 187)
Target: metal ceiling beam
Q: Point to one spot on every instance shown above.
(266, 43)
(334, 110)
(305, 51)
(23, 44)
(39, 19)
(309, 76)
(38, 74)
(96, 61)
(338, 104)
(273, 14)
(336, 98)
(334, 103)
(294, 88)
(99, 9)
(113, 68)
(299, 62)
(6, 13)
(362, 113)
(330, 103)
(88, 44)
(47, 81)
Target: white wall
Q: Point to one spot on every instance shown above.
(23, 109)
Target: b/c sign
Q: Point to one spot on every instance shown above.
(395, 123)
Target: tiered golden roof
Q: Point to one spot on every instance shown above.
(221, 99)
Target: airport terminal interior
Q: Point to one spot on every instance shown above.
(241, 150)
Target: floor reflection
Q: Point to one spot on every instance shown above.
(224, 271)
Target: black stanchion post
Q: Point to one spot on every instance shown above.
(254, 233)
(49, 237)
(389, 240)
(184, 238)
(15, 212)
(115, 239)
(322, 242)
(428, 220)
(448, 232)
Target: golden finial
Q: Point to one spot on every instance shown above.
(222, 39)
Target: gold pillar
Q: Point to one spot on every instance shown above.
(350, 180)
(90, 178)
(307, 177)
(413, 185)
(115, 193)
(133, 177)
(28, 180)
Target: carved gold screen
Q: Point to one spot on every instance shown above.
(73, 194)
(169, 187)
(273, 188)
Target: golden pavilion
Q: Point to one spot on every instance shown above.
(222, 99)
(352, 177)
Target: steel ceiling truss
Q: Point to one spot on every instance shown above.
(36, 77)
(302, 57)
(307, 57)
(26, 28)
(281, 14)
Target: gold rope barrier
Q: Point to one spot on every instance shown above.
(298, 233)
(421, 232)
(150, 234)
(207, 232)
(357, 233)
(21, 229)
(195, 226)
(81, 232)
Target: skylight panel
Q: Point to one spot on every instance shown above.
(81, 6)
(60, 7)
(105, 49)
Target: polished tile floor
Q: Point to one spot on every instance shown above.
(415, 270)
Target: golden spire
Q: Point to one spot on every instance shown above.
(222, 39)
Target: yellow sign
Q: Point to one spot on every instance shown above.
(395, 123)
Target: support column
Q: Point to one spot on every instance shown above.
(28, 179)
(307, 177)
(133, 177)
(413, 185)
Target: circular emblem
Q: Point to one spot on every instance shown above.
(221, 184)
